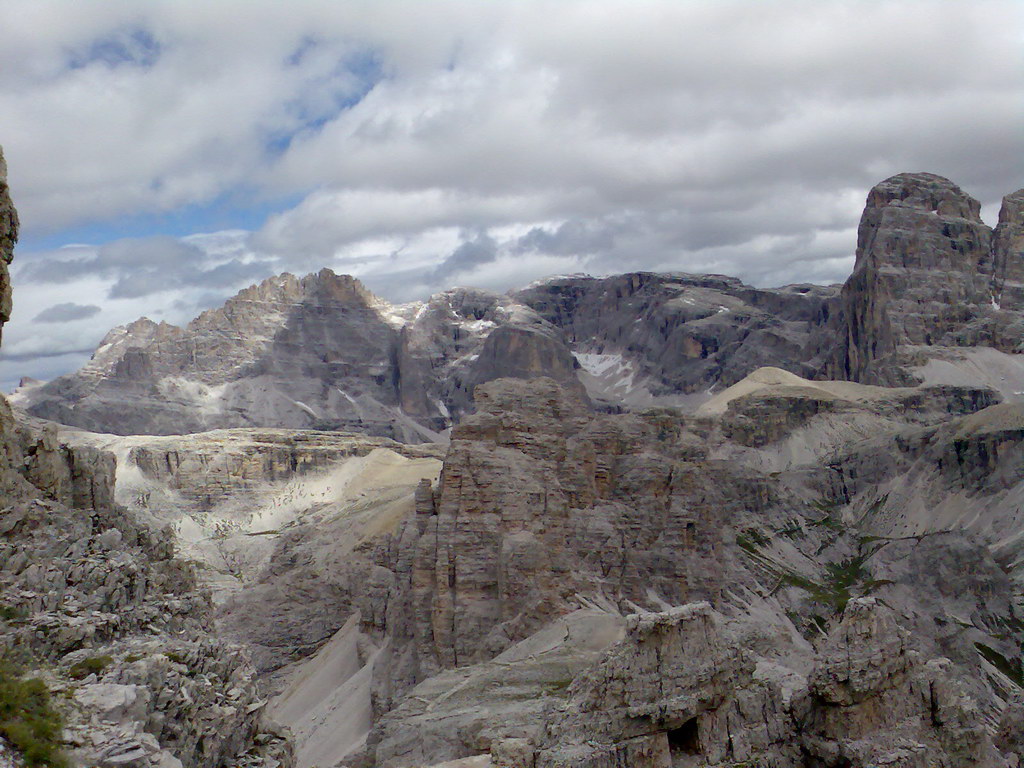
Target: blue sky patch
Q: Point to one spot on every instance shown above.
(134, 46)
(231, 211)
(365, 66)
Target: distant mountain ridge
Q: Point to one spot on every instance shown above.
(933, 288)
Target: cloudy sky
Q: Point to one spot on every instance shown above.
(164, 155)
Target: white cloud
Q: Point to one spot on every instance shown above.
(734, 136)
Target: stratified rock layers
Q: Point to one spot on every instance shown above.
(930, 280)
(800, 573)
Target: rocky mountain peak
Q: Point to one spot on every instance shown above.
(322, 351)
(927, 192)
(801, 572)
(1012, 210)
(341, 288)
(929, 274)
(1008, 249)
(921, 220)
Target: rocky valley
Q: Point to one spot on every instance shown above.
(645, 521)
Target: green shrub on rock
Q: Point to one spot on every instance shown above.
(28, 721)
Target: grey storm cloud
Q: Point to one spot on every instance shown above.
(116, 258)
(482, 249)
(66, 313)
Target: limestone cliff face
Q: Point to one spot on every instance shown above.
(464, 608)
(1008, 253)
(682, 334)
(683, 689)
(8, 238)
(932, 285)
(318, 352)
(828, 631)
(929, 273)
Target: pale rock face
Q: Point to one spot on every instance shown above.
(782, 550)
(318, 352)
(683, 690)
(684, 334)
(1008, 253)
(797, 573)
(932, 289)
(85, 582)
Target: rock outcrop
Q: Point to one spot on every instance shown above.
(683, 690)
(674, 336)
(543, 507)
(929, 273)
(319, 352)
(935, 296)
(8, 238)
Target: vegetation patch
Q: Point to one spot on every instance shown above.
(751, 540)
(842, 580)
(794, 530)
(93, 665)
(176, 657)
(27, 719)
(12, 613)
(830, 522)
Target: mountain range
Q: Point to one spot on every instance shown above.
(647, 520)
(932, 285)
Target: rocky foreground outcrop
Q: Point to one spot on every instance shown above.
(8, 237)
(683, 690)
(483, 619)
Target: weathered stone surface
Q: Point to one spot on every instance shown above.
(929, 273)
(8, 238)
(318, 352)
(810, 573)
(81, 581)
(932, 286)
(683, 690)
(681, 334)
(872, 699)
(497, 706)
